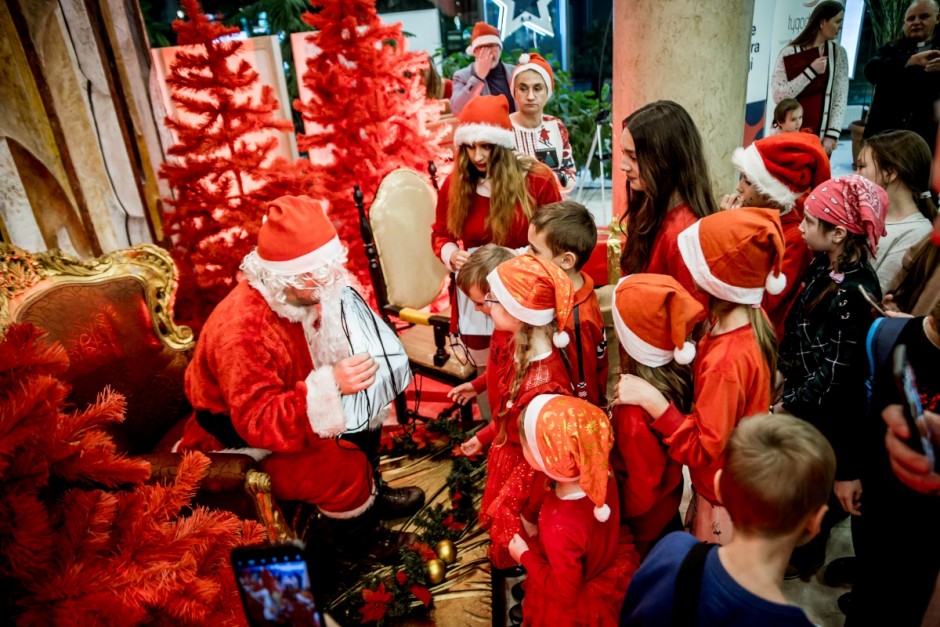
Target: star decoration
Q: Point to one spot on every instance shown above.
(521, 15)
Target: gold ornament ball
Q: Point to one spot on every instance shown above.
(446, 550)
(437, 571)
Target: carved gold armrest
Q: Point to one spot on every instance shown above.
(258, 487)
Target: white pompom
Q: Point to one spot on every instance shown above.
(561, 339)
(602, 513)
(524, 58)
(775, 284)
(684, 355)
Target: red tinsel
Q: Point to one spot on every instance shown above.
(223, 173)
(82, 539)
(371, 110)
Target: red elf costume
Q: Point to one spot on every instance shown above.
(536, 292)
(580, 563)
(653, 317)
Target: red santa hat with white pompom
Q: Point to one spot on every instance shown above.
(735, 255)
(535, 291)
(537, 63)
(654, 317)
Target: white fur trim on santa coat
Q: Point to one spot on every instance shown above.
(446, 251)
(470, 134)
(323, 255)
(324, 404)
(358, 511)
(535, 317)
(690, 247)
(751, 164)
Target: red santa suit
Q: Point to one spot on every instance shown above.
(499, 368)
(510, 481)
(589, 374)
(253, 365)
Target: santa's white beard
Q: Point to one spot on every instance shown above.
(327, 342)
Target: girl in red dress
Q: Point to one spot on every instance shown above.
(531, 298)
(488, 198)
(653, 317)
(668, 189)
(578, 561)
(733, 256)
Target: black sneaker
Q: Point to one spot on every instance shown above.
(840, 572)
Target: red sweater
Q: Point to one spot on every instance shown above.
(541, 183)
(732, 381)
(578, 568)
(665, 257)
(499, 365)
(593, 345)
(796, 258)
(650, 482)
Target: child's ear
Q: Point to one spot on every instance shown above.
(839, 234)
(813, 525)
(568, 261)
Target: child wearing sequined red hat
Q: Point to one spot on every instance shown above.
(580, 561)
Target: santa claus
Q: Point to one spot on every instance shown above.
(294, 363)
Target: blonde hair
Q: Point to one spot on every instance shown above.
(761, 451)
(507, 173)
(673, 381)
(479, 264)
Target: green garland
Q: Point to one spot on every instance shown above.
(398, 590)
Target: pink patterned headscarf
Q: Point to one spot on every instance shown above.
(852, 202)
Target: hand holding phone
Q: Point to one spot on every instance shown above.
(920, 439)
(872, 301)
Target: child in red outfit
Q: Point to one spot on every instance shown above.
(472, 282)
(579, 561)
(565, 233)
(527, 296)
(732, 255)
(653, 317)
(778, 172)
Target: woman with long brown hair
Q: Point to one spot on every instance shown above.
(668, 189)
(488, 198)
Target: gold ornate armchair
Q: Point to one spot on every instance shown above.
(114, 316)
(407, 276)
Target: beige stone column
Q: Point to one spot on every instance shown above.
(694, 52)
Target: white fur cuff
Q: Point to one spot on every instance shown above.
(324, 404)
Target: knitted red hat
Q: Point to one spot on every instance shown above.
(485, 119)
(734, 255)
(483, 34)
(654, 316)
(571, 439)
(535, 291)
(535, 62)
(785, 166)
(296, 236)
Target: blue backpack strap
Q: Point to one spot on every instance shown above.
(882, 337)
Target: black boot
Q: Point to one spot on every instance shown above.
(398, 502)
(364, 538)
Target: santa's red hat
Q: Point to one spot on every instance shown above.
(570, 440)
(535, 62)
(784, 167)
(483, 35)
(735, 255)
(297, 237)
(535, 291)
(654, 316)
(485, 119)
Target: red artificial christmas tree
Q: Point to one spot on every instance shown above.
(82, 539)
(223, 172)
(370, 107)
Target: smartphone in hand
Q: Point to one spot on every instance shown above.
(872, 301)
(921, 438)
(274, 584)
